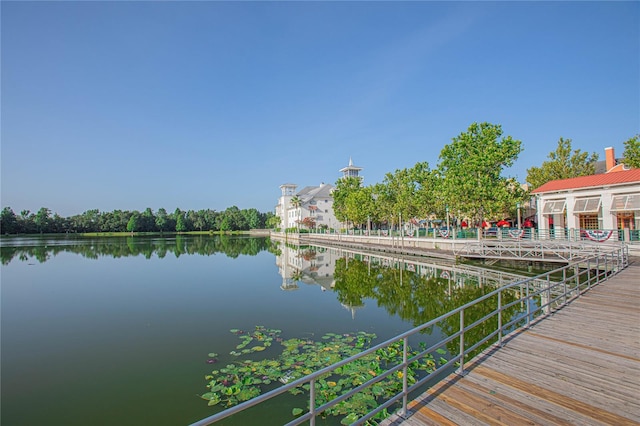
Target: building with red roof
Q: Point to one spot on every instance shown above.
(606, 201)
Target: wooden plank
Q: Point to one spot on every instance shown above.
(563, 400)
(581, 365)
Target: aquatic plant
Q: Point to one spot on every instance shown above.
(246, 378)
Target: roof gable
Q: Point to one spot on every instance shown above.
(308, 193)
(591, 181)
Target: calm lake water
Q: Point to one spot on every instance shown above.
(117, 331)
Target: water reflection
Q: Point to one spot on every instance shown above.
(415, 290)
(119, 331)
(42, 249)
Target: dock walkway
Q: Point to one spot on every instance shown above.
(580, 366)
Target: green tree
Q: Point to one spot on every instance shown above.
(471, 168)
(180, 220)
(296, 201)
(272, 222)
(133, 224)
(147, 221)
(359, 205)
(8, 221)
(162, 220)
(563, 163)
(252, 218)
(404, 193)
(344, 188)
(632, 152)
(42, 219)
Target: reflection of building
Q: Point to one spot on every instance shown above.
(606, 201)
(314, 202)
(308, 265)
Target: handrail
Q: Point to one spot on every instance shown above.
(553, 295)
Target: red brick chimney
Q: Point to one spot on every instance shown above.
(610, 158)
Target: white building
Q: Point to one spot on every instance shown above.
(607, 201)
(315, 202)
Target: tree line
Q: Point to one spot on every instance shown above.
(44, 221)
(93, 248)
(466, 183)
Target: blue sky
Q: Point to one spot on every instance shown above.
(128, 105)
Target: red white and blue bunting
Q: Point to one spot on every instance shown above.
(598, 235)
(444, 233)
(516, 233)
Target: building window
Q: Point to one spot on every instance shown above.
(587, 205)
(589, 221)
(627, 202)
(551, 207)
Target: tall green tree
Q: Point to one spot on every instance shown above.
(344, 187)
(134, 222)
(8, 221)
(359, 206)
(162, 220)
(42, 219)
(252, 218)
(632, 152)
(563, 163)
(471, 170)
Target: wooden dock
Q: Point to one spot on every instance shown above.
(580, 366)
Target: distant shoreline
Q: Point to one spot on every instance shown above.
(254, 232)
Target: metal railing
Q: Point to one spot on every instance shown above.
(532, 234)
(534, 299)
(541, 250)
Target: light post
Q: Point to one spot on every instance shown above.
(447, 209)
(518, 207)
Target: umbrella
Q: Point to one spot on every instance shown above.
(502, 223)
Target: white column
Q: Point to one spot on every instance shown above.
(608, 217)
(572, 219)
(542, 219)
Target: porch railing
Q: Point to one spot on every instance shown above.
(560, 234)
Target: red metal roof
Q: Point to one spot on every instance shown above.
(604, 179)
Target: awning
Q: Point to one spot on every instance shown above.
(553, 207)
(625, 202)
(587, 205)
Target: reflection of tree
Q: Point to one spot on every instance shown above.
(419, 299)
(92, 248)
(296, 275)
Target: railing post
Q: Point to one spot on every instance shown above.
(564, 285)
(312, 402)
(588, 276)
(548, 306)
(500, 317)
(528, 307)
(461, 369)
(405, 384)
